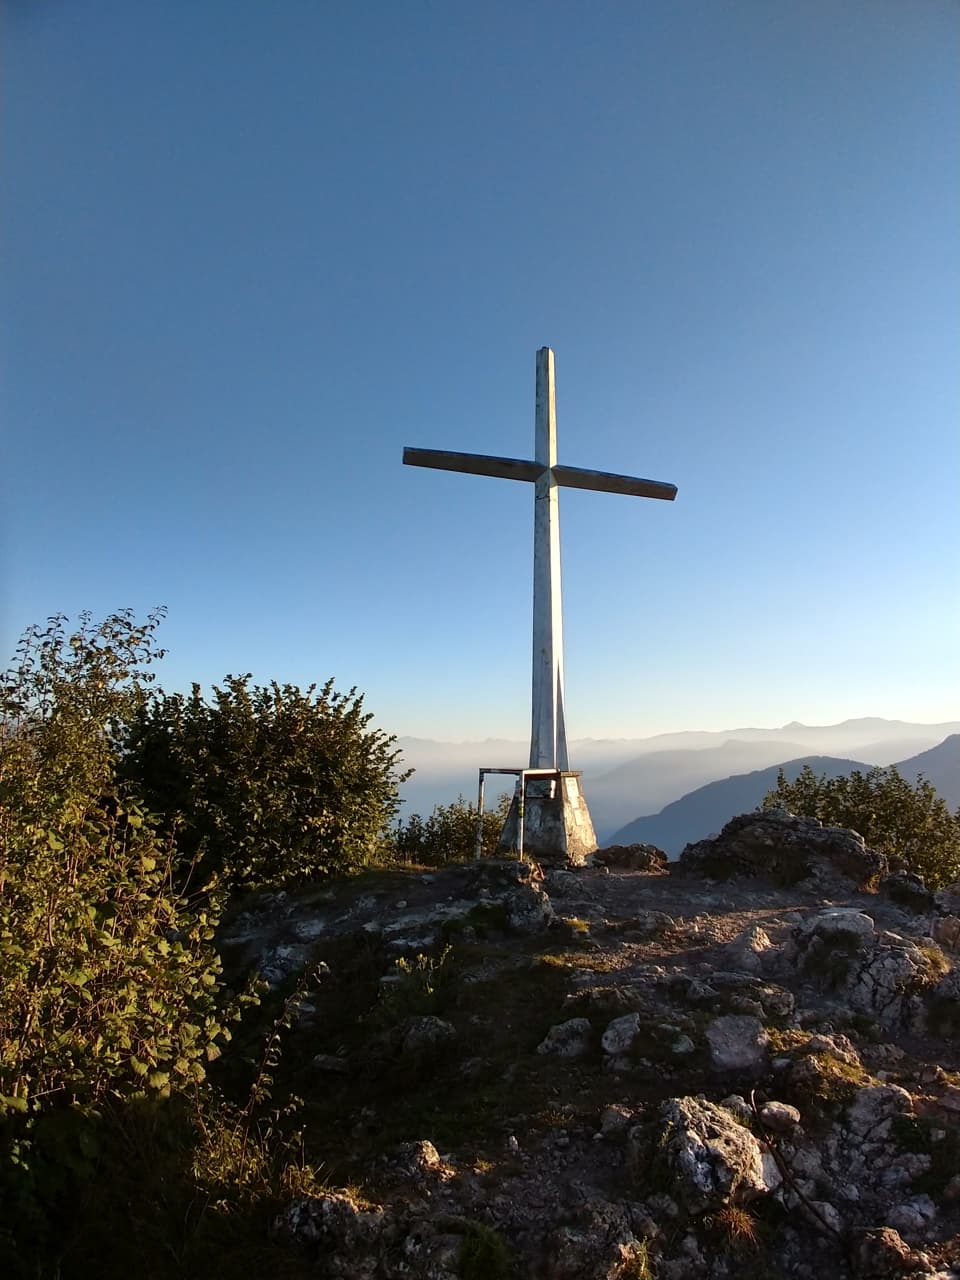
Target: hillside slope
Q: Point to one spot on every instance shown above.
(940, 766)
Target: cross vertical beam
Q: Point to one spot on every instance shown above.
(548, 738)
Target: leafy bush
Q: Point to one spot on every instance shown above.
(109, 982)
(450, 833)
(911, 824)
(266, 785)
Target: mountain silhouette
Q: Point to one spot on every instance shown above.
(940, 766)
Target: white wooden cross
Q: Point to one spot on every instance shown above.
(548, 740)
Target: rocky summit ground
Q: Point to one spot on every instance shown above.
(743, 1065)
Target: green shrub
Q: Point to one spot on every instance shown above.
(450, 833)
(109, 981)
(485, 1254)
(418, 987)
(911, 824)
(266, 785)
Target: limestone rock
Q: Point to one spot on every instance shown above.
(881, 1254)
(528, 907)
(426, 1037)
(632, 857)
(946, 931)
(283, 961)
(616, 1120)
(604, 1241)
(912, 1217)
(780, 1116)
(842, 925)
(348, 1236)
(739, 1107)
(871, 1114)
(747, 951)
(838, 1046)
(574, 1253)
(422, 1160)
(943, 1003)
(773, 842)
(738, 1042)
(620, 1034)
(570, 1039)
(711, 1159)
(880, 973)
(907, 890)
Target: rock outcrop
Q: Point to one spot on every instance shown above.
(778, 845)
(745, 1066)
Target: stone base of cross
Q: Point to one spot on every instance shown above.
(551, 821)
(557, 827)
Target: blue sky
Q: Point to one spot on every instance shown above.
(251, 250)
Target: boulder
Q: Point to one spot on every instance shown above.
(620, 1034)
(632, 857)
(710, 1158)
(605, 1241)
(348, 1236)
(881, 1254)
(907, 890)
(780, 845)
(912, 1217)
(746, 952)
(571, 1039)
(943, 1004)
(780, 1116)
(946, 932)
(738, 1042)
(871, 1114)
(426, 1037)
(879, 973)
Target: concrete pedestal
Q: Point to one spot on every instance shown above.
(557, 827)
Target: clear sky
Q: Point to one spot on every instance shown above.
(251, 250)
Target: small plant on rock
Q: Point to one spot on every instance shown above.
(637, 1266)
(485, 1254)
(737, 1228)
(416, 987)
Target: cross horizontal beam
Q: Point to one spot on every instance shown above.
(480, 464)
(607, 482)
(475, 464)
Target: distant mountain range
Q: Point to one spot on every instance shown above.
(624, 778)
(642, 784)
(704, 811)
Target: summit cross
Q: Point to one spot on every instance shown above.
(548, 739)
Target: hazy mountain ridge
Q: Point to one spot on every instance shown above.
(940, 766)
(704, 811)
(635, 787)
(647, 781)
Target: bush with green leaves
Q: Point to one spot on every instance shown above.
(110, 982)
(266, 785)
(908, 823)
(449, 834)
